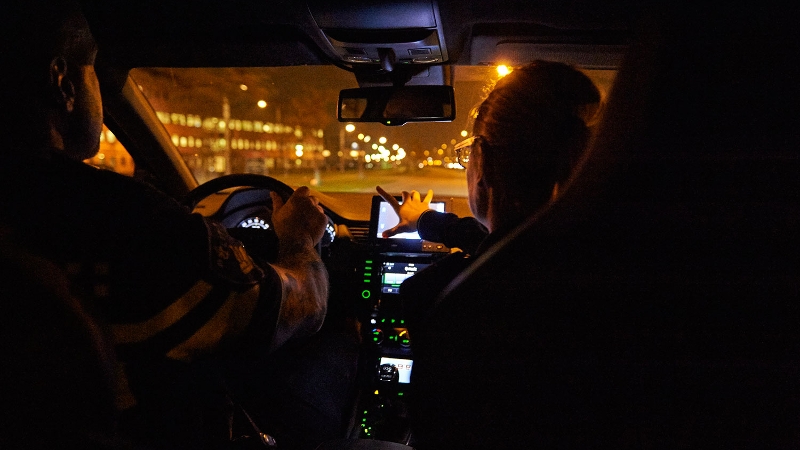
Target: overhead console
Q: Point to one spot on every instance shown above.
(385, 34)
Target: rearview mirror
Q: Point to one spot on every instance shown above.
(392, 105)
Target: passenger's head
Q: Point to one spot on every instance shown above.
(531, 130)
(48, 84)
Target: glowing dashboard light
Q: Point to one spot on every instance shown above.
(254, 222)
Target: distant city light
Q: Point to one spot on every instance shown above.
(367, 138)
(464, 133)
(350, 127)
(262, 104)
(382, 140)
(243, 87)
(326, 153)
(503, 70)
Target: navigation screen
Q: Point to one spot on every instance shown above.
(387, 218)
(395, 272)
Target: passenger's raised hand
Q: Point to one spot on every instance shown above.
(409, 211)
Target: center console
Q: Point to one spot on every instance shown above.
(388, 360)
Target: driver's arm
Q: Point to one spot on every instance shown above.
(299, 224)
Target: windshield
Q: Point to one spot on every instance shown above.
(281, 122)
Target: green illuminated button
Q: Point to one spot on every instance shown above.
(366, 293)
(377, 335)
(404, 339)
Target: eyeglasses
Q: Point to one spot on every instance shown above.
(463, 149)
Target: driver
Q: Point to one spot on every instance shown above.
(176, 294)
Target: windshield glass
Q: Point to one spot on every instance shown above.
(281, 122)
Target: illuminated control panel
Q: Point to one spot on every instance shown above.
(388, 359)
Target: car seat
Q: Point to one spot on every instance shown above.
(655, 303)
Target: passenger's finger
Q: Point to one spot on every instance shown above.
(388, 197)
(406, 197)
(429, 196)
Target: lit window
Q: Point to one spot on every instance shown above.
(163, 117)
(112, 155)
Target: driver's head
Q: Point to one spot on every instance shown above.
(532, 128)
(48, 78)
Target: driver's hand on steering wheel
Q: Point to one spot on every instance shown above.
(301, 218)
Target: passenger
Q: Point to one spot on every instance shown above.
(174, 290)
(527, 136)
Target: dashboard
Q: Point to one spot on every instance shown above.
(366, 272)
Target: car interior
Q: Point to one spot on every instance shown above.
(653, 304)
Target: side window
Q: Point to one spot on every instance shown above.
(112, 155)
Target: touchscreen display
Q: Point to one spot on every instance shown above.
(395, 272)
(387, 218)
(403, 367)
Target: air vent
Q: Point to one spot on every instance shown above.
(360, 234)
(419, 51)
(355, 51)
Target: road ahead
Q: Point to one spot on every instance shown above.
(443, 182)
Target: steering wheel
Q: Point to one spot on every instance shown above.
(210, 187)
(259, 243)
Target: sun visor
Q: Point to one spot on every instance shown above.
(516, 50)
